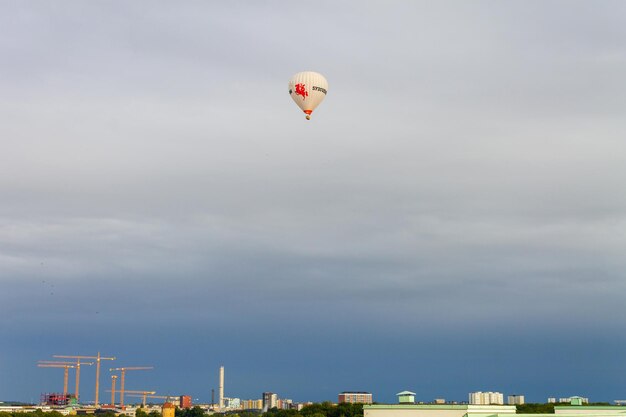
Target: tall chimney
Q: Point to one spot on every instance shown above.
(221, 392)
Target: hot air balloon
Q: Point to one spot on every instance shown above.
(308, 89)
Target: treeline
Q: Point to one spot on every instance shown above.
(40, 413)
(547, 408)
(37, 413)
(532, 408)
(325, 409)
(189, 412)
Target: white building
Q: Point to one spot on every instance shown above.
(515, 399)
(437, 410)
(232, 403)
(486, 398)
(574, 399)
(449, 410)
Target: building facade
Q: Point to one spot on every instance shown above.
(435, 410)
(168, 410)
(486, 398)
(232, 403)
(355, 397)
(515, 399)
(465, 410)
(270, 400)
(252, 404)
(184, 401)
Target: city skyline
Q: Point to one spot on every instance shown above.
(452, 218)
(488, 397)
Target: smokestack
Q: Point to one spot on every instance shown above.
(221, 392)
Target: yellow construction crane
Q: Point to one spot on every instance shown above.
(113, 379)
(65, 365)
(98, 358)
(143, 394)
(123, 374)
(165, 397)
(76, 365)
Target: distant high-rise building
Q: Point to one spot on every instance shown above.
(551, 400)
(515, 399)
(486, 398)
(270, 400)
(354, 397)
(185, 401)
(440, 400)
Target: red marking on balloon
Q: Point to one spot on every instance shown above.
(301, 91)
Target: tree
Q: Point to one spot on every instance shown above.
(532, 408)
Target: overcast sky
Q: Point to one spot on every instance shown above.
(452, 219)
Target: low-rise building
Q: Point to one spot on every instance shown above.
(435, 410)
(472, 410)
(355, 397)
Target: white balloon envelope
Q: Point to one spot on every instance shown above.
(308, 89)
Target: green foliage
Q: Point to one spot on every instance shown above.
(140, 413)
(108, 414)
(275, 412)
(154, 413)
(190, 412)
(535, 408)
(325, 409)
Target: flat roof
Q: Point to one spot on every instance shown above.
(476, 407)
(591, 407)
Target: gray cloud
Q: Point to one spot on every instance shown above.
(465, 175)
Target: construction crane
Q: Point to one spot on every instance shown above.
(123, 374)
(98, 358)
(65, 365)
(165, 397)
(113, 379)
(144, 394)
(76, 365)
